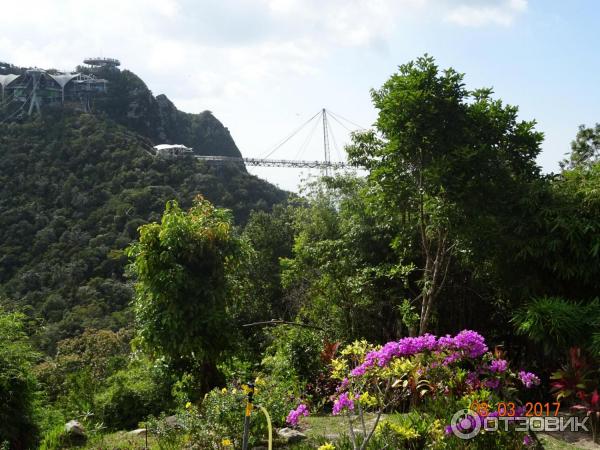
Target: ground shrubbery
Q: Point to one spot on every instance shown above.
(132, 394)
(433, 378)
(18, 428)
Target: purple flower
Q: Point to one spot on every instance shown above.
(341, 403)
(471, 342)
(294, 415)
(466, 344)
(343, 385)
(452, 357)
(528, 379)
(498, 365)
(472, 380)
(492, 383)
(358, 371)
(519, 411)
(527, 441)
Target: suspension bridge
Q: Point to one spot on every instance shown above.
(309, 127)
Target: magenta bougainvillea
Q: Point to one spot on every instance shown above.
(294, 416)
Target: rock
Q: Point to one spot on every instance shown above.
(173, 422)
(139, 432)
(75, 433)
(290, 435)
(74, 428)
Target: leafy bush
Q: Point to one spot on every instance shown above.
(410, 431)
(558, 323)
(132, 394)
(295, 352)
(17, 383)
(58, 438)
(220, 416)
(55, 439)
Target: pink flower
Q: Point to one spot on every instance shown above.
(528, 379)
(294, 416)
(498, 365)
(343, 402)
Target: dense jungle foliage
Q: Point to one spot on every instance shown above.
(434, 283)
(75, 188)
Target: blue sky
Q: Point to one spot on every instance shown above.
(265, 66)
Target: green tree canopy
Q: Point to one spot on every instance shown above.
(585, 149)
(181, 266)
(448, 163)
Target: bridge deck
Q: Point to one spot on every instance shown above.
(275, 162)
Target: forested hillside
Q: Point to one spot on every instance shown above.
(75, 188)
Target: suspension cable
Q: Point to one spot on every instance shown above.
(308, 139)
(359, 127)
(290, 136)
(337, 150)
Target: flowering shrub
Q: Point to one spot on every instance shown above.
(294, 416)
(217, 422)
(420, 371)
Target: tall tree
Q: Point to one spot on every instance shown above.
(181, 266)
(343, 275)
(447, 162)
(585, 149)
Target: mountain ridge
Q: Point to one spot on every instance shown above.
(129, 102)
(75, 188)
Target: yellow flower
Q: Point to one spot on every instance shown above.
(328, 446)
(259, 381)
(224, 391)
(188, 405)
(226, 443)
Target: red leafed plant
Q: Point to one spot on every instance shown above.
(572, 378)
(589, 404)
(329, 351)
(322, 387)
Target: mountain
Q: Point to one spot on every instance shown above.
(75, 188)
(130, 103)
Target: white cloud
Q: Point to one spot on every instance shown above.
(481, 13)
(234, 46)
(235, 57)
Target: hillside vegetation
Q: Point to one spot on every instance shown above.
(75, 188)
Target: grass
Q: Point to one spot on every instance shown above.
(552, 443)
(120, 441)
(319, 429)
